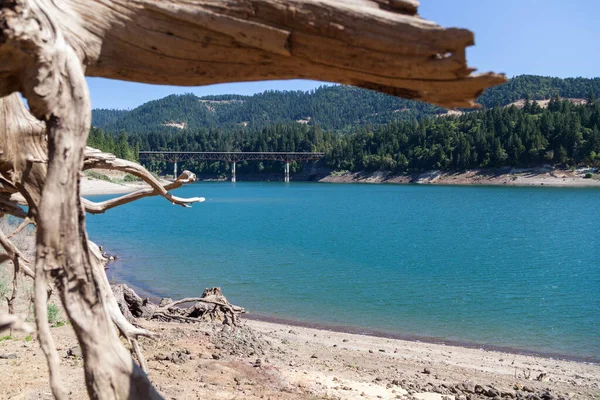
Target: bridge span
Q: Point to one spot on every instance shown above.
(232, 157)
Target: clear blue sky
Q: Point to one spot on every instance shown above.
(541, 37)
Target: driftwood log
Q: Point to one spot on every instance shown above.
(210, 306)
(48, 47)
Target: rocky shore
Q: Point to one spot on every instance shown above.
(259, 360)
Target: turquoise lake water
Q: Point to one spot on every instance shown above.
(515, 267)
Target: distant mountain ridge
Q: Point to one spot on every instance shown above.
(338, 108)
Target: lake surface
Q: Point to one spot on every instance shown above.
(503, 266)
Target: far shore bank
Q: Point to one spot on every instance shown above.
(540, 176)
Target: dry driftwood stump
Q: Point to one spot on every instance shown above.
(48, 47)
(210, 306)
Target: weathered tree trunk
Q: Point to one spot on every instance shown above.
(376, 44)
(47, 48)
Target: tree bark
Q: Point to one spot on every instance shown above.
(381, 44)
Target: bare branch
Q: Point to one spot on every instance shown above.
(139, 355)
(45, 337)
(25, 223)
(129, 331)
(15, 255)
(380, 45)
(98, 159)
(14, 322)
(99, 208)
(10, 207)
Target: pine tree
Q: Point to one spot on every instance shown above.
(591, 99)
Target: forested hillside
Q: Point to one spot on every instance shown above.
(538, 88)
(562, 134)
(338, 108)
(364, 130)
(106, 117)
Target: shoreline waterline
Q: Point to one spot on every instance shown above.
(379, 333)
(354, 330)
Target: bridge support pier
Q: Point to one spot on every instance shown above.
(287, 171)
(231, 157)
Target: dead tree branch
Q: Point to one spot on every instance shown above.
(381, 45)
(99, 208)
(24, 224)
(10, 207)
(19, 263)
(97, 159)
(14, 322)
(51, 78)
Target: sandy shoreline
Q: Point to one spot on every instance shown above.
(356, 330)
(447, 365)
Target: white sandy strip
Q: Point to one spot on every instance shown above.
(94, 187)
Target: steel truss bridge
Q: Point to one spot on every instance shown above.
(232, 157)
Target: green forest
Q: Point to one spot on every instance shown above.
(361, 130)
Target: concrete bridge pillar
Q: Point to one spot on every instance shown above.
(233, 171)
(175, 170)
(287, 171)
